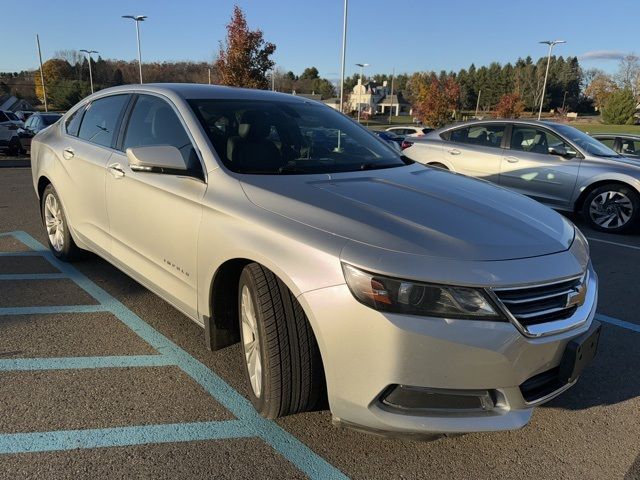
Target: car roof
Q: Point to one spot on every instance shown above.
(616, 135)
(189, 91)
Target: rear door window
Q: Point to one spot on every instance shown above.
(101, 120)
(480, 135)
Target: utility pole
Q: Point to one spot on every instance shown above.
(209, 70)
(393, 77)
(44, 90)
(478, 103)
(564, 99)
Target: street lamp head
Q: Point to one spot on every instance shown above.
(89, 52)
(137, 18)
(552, 42)
(362, 65)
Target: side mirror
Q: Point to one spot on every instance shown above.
(158, 159)
(561, 151)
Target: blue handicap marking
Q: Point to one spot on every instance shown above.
(248, 422)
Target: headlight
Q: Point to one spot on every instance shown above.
(414, 298)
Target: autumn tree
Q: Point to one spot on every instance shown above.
(243, 61)
(436, 101)
(600, 89)
(510, 105)
(53, 70)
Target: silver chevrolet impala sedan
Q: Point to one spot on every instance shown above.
(553, 163)
(417, 300)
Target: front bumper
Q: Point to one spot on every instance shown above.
(366, 351)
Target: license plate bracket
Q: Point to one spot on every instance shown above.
(578, 353)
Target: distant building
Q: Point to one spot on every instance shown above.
(377, 100)
(14, 104)
(333, 103)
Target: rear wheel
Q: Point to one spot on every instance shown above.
(612, 208)
(281, 356)
(58, 234)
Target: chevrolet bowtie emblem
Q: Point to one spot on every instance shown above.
(577, 296)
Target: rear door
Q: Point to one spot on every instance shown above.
(87, 141)
(476, 150)
(154, 218)
(528, 166)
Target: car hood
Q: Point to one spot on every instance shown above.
(416, 210)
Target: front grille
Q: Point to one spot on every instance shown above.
(542, 303)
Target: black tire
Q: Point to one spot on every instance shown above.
(617, 226)
(15, 147)
(292, 377)
(439, 165)
(68, 251)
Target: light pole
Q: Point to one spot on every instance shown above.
(137, 19)
(361, 65)
(344, 51)
(44, 90)
(89, 52)
(551, 44)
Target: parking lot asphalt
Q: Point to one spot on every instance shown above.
(99, 378)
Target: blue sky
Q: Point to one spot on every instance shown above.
(409, 35)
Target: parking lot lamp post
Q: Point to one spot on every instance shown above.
(361, 65)
(551, 44)
(344, 51)
(89, 52)
(478, 103)
(137, 19)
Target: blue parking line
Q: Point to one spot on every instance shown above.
(32, 276)
(52, 309)
(29, 253)
(66, 363)
(121, 436)
(253, 424)
(617, 322)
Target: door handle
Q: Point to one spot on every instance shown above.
(68, 153)
(116, 170)
(454, 151)
(512, 159)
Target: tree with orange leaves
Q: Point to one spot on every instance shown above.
(243, 61)
(436, 101)
(510, 106)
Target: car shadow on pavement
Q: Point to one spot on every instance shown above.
(613, 377)
(634, 471)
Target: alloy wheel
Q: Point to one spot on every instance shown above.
(611, 209)
(251, 341)
(54, 222)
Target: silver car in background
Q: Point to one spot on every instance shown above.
(554, 163)
(417, 300)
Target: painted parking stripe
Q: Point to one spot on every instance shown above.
(314, 466)
(32, 276)
(617, 322)
(29, 253)
(121, 436)
(633, 247)
(52, 309)
(67, 363)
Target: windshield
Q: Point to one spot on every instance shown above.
(585, 142)
(50, 119)
(289, 137)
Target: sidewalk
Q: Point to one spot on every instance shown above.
(8, 161)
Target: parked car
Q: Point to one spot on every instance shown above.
(34, 124)
(9, 140)
(410, 130)
(420, 301)
(391, 138)
(24, 114)
(626, 145)
(553, 163)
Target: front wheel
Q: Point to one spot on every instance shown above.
(281, 356)
(612, 208)
(58, 234)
